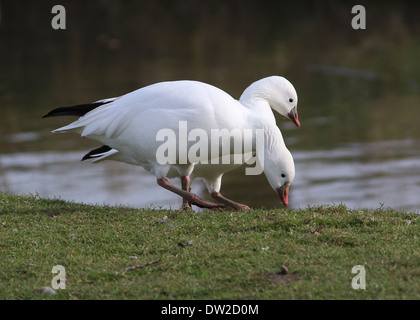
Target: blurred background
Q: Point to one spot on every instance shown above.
(359, 93)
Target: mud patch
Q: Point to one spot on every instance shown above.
(282, 279)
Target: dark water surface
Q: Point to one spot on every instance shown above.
(359, 93)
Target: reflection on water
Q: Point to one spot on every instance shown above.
(359, 92)
(62, 175)
(361, 175)
(353, 175)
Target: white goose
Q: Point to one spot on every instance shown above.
(128, 127)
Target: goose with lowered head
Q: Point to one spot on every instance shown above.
(129, 127)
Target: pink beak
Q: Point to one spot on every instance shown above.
(293, 115)
(283, 193)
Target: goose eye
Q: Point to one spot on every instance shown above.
(283, 175)
(290, 100)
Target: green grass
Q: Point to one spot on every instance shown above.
(211, 255)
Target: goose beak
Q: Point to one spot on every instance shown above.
(293, 115)
(283, 193)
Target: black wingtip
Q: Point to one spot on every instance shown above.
(78, 111)
(96, 152)
(49, 114)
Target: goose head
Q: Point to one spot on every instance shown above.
(279, 168)
(278, 92)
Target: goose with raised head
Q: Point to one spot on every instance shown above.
(129, 127)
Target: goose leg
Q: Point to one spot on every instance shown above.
(186, 182)
(237, 206)
(192, 198)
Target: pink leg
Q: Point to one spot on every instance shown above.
(185, 182)
(237, 206)
(190, 197)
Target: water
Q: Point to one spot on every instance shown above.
(359, 143)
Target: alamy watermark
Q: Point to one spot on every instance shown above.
(223, 146)
(58, 281)
(359, 280)
(359, 20)
(59, 20)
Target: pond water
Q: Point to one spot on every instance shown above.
(359, 94)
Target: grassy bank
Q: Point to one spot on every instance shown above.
(123, 253)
